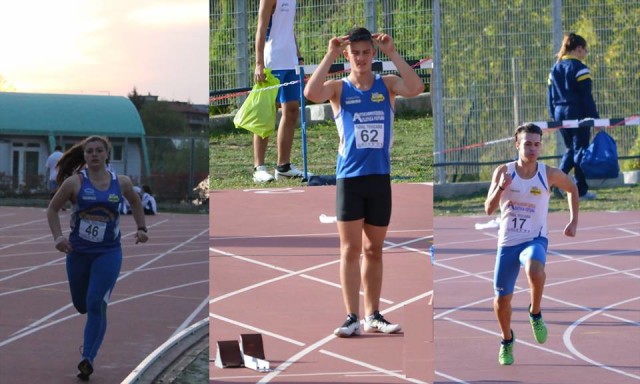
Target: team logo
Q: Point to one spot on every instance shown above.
(353, 100)
(113, 198)
(377, 97)
(535, 191)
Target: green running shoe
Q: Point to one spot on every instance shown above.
(538, 327)
(505, 357)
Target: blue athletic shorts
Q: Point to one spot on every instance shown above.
(289, 92)
(509, 259)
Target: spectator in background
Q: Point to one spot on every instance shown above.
(276, 48)
(52, 166)
(148, 201)
(569, 98)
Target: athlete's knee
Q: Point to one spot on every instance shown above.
(372, 252)
(502, 302)
(290, 111)
(350, 252)
(535, 270)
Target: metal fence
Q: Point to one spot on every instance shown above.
(233, 27)
(494, 58)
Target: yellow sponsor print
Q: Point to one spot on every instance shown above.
(377, 97)
(113, 198)
(535, 190)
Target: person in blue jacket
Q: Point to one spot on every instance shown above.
(569, 98)
(363, 109)
(94, 252)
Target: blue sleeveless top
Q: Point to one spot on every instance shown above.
(365, 127)
(95, 220)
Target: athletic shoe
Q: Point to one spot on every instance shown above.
(86, 369)
(293, 172)
(538, 327)
(505, 357)
(350, 327)
(260, 175)
(377, 323)
(588, 196)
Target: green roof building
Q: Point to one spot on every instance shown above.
(31, 125)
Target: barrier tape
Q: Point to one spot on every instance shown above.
(335, 69)
(555, 125)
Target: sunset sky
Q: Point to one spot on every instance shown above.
(106, 47)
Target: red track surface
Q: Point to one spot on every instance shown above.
(591, 304)
(162, 289)
(274, 270)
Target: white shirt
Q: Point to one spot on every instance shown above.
(524, 206)
(280, 48)
(52, 160)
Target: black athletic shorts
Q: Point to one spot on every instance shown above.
(367, 197)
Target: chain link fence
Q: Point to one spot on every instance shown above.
(234, 22)
(495, 57)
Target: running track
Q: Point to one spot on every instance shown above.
(274, 270)
(591, 304)
(162, 289)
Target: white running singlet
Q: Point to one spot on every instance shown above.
(280, 48)
(523, 207)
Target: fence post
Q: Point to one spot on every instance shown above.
(370, 16)
(436, 88)
(556, 12)
(242, 57)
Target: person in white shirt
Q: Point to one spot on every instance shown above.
(276, 49)
(52, 166)
(148, 201)
(521, 189)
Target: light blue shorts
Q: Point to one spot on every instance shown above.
(509, 259)
(289, 92)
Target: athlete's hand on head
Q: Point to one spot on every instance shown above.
(384, 42)
(570, 230)
(338, 44)
(258, 74)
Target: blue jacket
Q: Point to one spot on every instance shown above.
(569, 86)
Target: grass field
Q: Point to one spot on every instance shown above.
(231, 153)
(625, 198)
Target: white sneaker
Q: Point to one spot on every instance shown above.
(350, 327)
(260, 175)
(291, 173)
(377, 323)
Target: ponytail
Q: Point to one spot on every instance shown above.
(569, 43)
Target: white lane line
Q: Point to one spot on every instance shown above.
(22, 224)
(188, 321)
(519, 341)
(569, 344)
(288, 273)
(628, 231)
(306, 235)
(622, 319)
(256, 329)
(45, 318)
(386, 372)
(286, 364)
(54, 322)
(451, 378)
